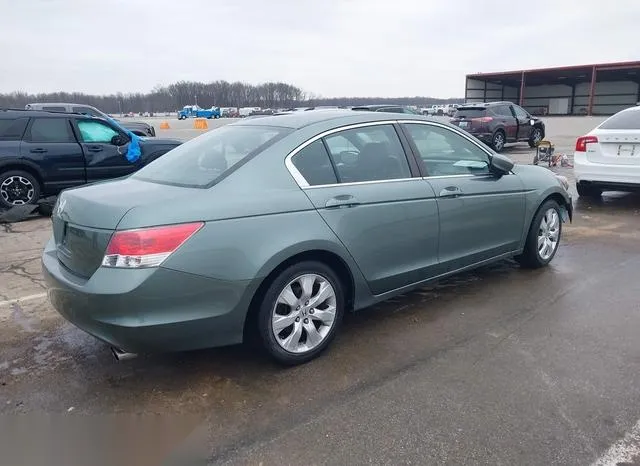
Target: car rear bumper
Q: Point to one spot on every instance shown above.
(606, 176)
(149, 310)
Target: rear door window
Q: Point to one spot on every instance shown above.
(314, 164)
(12, 129)
(378, 155)
(627, 119)
(203, 161)
(50, 130)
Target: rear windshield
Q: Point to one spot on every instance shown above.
(627, 119)
(204, 160)
(469, 112)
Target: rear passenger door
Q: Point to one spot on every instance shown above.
(503, 114)
(361, 181)
(52, 146)
(104, 160)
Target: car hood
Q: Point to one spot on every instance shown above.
(132, 124)
(145, 141)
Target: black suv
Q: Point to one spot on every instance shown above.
(42, 153)
(499, 123)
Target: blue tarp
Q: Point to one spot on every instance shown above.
(133, 151)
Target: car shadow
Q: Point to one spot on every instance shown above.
(611, 202)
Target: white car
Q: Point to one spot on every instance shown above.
(608, 158)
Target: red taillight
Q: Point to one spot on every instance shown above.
(146, 247)
(581, 143)
(482, 120)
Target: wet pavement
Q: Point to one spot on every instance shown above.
(500, 366)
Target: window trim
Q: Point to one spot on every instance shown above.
(302, 182)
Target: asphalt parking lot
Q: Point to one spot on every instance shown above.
(498, 366)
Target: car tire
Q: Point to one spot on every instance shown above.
(536, 136)
(546, 227)
(288, 340)
(25, 182)
(498, 141)
(588, 191)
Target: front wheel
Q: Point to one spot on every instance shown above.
(544, 236)
(301, 312)
(536, 137)
(18, 187)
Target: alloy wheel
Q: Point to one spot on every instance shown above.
(17, 190)
(536, 137)
(548, 234)
(304, 313)
(498, 141)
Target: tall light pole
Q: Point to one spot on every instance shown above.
(196, 99)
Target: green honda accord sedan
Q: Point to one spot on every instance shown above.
(271, 229)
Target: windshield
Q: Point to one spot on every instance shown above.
(204, 160)
(626, 119)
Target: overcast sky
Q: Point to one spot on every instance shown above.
(328, 47)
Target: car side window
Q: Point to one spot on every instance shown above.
(85, 110)
(377, 154)
(314, 164)
(95, 131)
(520, 113)
(54, 109)
(444, 152)
(502, 111)
(50, 130)
(12, 129)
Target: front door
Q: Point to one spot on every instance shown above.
(50, 144)
(104, 160)
(524, 122)
(481, 215)
(385, 216)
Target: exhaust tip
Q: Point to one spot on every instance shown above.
(122, 355)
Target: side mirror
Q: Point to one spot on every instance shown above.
(119, 140)
(500, 165)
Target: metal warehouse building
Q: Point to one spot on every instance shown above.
(601, 89)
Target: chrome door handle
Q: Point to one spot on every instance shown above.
(451, 191)
(342, 201)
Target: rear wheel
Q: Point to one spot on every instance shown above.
(18, 187)
(536, 137)
(544, 236)
(301, 312)
(498, 141)
(588, 191)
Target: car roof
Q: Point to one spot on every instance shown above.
(341, 117)
(484, 104)
(378, 106)
(49, 104)
(17, 113)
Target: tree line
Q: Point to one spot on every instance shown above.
(217, 93)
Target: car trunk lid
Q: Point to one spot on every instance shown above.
(84, 219)
(615, 147)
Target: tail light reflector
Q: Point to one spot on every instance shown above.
(581, 142)
(147, 247)
(482, 119)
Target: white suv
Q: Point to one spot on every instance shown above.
(608, 158)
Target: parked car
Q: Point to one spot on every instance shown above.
(386, 108)
(139, 128)
(172, 258)
(193, 111)
(499, 123)
(450, 109)
(608, 157)
(42, 153)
